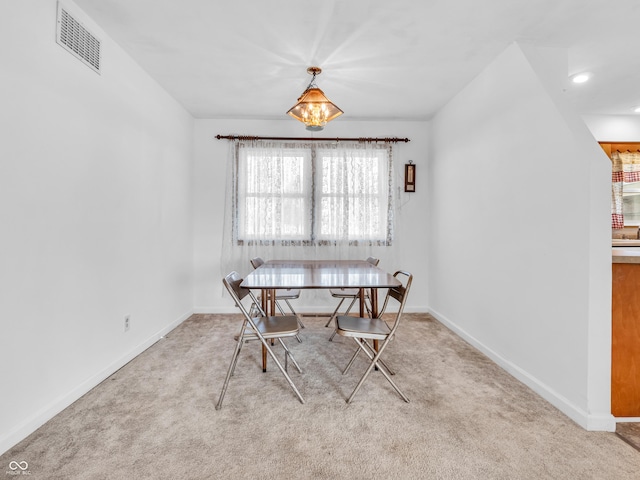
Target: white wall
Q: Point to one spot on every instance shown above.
(614, 128)
(98, 203)
(409, 252)
(519, 234)
(95, 210)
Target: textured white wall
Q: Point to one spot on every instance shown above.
(95, 214)
(409, 252)
(519, 238)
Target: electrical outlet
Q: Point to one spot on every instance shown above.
(127, 322)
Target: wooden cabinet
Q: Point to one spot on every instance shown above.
(625, 347)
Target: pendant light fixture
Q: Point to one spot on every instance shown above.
(313, 108)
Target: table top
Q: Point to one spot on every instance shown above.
(319, 274)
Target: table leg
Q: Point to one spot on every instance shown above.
(268, 299)
(373, 296)
(264, 358)
(264, 299)
(272, 303)
(272, 312)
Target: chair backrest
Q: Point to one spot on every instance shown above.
(399, 293)
(256, 262)
(373, 261)
(232, 283)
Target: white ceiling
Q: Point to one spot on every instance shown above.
(400, 59)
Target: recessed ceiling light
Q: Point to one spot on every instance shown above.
(580, 77)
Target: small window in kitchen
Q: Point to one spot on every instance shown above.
(631, 203)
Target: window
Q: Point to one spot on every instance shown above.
(313, 194)
(625, 185)
(631, 203)
(274, 189)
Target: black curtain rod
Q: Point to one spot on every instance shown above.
(312, 139)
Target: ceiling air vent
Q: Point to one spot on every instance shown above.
(76, 39)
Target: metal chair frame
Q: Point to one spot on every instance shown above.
(282, 294)
(349, 293)
(261, 328)
(364, 329)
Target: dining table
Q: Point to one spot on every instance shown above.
(318, 274)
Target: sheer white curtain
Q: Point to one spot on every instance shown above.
(625, 169)
(273, 183)
(354, 195)
(313, 200)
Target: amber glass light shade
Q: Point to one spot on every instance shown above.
(314, 109)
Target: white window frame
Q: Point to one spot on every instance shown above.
(312, 197)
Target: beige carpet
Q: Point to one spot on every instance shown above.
(467, 419)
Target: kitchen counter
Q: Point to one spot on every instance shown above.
(625, 254)
(625, 242)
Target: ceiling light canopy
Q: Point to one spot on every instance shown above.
(313, 108)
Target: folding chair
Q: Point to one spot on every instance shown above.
(364, 329)
(285, 294)
(349, 293)
(261, 328)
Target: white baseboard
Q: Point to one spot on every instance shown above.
(216, 310)
(627, 419)
(300, 309)
(587, 421)
(41, 417)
